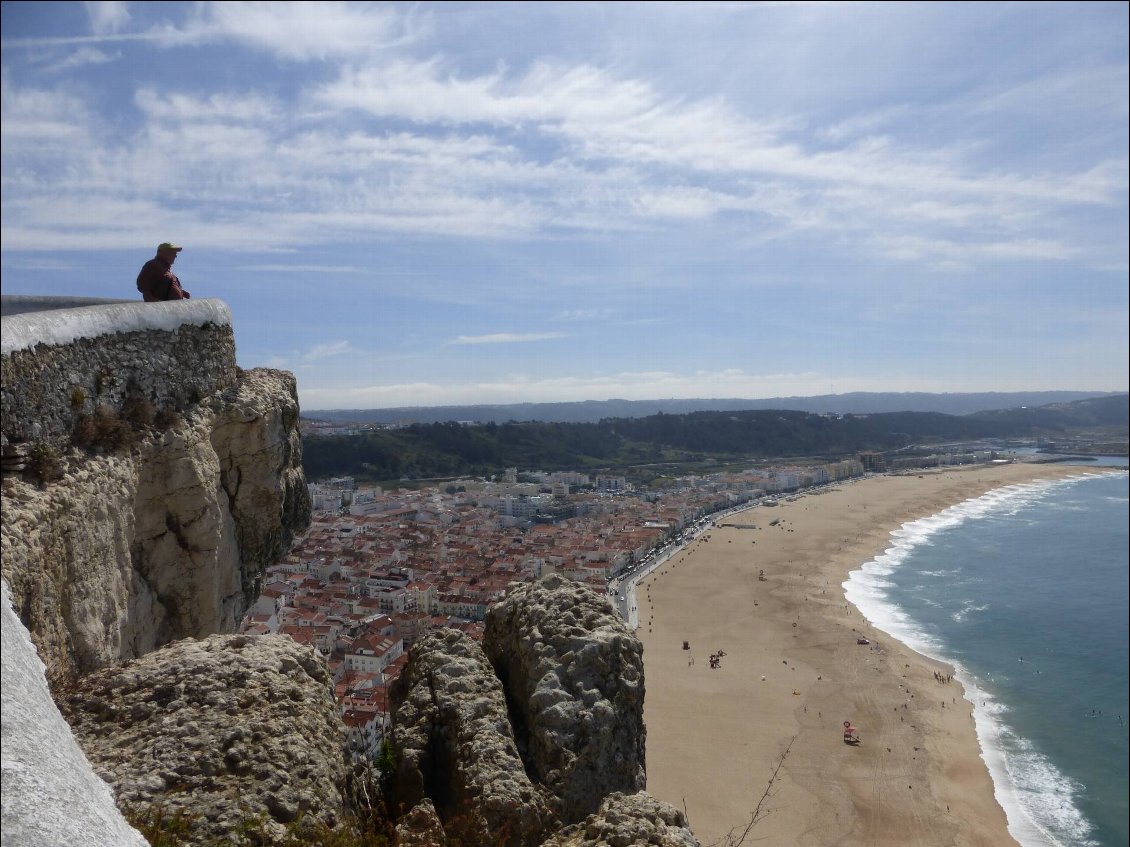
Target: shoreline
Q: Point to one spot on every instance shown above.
(792, 673)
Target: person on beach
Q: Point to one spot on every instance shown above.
(156, 281)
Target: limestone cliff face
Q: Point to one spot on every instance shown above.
(167, 539)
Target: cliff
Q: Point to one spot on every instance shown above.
(147, 484)
(154, 479)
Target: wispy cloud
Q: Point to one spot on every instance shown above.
(82, 57)
(296, 31)
(507, 338)
(304, 31)
(305, 269)
(323, 351)
(106, 17)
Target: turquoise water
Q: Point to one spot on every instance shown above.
(1025, 592)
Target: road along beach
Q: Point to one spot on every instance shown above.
(796, 662)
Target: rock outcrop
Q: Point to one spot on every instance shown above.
(147, 483)
(455, 747)
(165, 539)
(543, 723)
(233, 731)
(573, 675)
(629, 820)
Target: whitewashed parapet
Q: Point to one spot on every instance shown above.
(63, 363)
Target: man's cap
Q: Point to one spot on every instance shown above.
(168, 245)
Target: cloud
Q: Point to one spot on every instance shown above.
(507, 338)
(40, 121)
(584, 315)
(81, 57)
(627, 385)
(395, 144)
(107, 17)
(322, 351)
(295, 31)
(303, 31)
(223, 107)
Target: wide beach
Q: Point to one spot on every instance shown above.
(793, 672)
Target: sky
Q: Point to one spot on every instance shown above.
(419, 204)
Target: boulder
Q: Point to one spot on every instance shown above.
(231, 731)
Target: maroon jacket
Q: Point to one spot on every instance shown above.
(158, 282)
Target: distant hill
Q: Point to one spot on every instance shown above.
(447, 449)
(1098, 414)
(593, 411)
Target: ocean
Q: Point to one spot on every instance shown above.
(1024, 591)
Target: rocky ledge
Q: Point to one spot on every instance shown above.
(229, 731)
(628, 821)
(543, 747)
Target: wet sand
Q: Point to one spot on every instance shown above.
(715, 735)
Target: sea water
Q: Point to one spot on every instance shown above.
(1024, 591)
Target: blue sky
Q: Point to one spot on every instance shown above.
(428, 204)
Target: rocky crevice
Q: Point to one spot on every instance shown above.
(575, 682)
(455, 747)
(540, 726)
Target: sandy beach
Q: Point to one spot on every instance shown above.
(793, 672)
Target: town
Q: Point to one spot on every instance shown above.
(375, 568)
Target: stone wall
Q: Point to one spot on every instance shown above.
(61, 364)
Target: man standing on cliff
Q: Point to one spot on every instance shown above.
(157, 281)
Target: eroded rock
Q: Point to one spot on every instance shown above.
(625, 820)
(573, 675)
(230, 730)
(168, 539)
(456, 748)
(421, 827)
